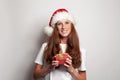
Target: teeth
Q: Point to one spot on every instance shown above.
(64, 31)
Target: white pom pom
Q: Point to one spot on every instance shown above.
(48, 30)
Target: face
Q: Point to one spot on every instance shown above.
(64, 27)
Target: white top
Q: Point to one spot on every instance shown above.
(60, 73)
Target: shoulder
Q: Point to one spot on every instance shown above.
(83, 52)
(44, 44)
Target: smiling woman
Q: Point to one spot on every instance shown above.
(51, 64)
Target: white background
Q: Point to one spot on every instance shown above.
(21, 35)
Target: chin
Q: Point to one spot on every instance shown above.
(64, 36)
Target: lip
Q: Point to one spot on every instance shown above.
(64, 31)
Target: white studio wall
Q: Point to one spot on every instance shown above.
(21, 35)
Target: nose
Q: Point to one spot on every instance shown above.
(63, 25)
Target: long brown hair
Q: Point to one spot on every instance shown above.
(73, 48)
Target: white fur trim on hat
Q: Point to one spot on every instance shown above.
(48, 30)
(62, 16)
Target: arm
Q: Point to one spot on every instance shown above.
(41, 71)
(81, 75)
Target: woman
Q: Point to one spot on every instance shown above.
(63, 39)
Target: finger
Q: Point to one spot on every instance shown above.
(68, 55)
(66, 65)
(68, 60)
(55, 63)
(54, 57)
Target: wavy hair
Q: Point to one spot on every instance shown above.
(73, 48)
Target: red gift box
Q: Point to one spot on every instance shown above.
(61, 58)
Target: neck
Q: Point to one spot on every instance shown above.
(64, 40)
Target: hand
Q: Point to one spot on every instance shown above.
(68, 64)
(55, 63)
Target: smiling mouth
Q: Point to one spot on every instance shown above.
(64, 31)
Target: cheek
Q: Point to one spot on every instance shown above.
(59, 29)
(70, 29)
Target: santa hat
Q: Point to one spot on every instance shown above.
(58, 15)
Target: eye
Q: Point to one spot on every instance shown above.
(59, 23)
(67, 22)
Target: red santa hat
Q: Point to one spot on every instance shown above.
(58, 15)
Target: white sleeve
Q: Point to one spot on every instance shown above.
(83, 58)
(39, 57)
